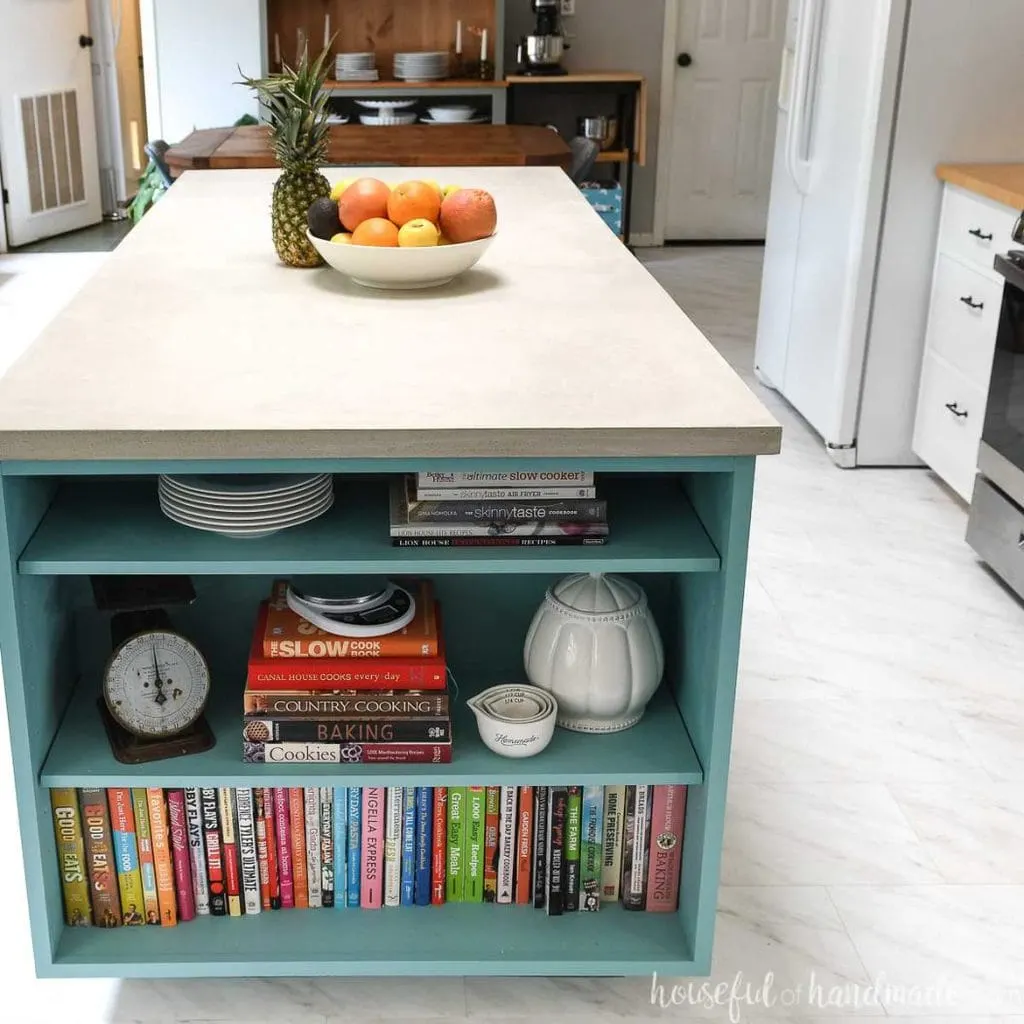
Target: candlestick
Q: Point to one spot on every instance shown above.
(483, 46)
(277, 49)
(327, 31)
(458, 37)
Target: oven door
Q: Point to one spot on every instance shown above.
(1001, 458)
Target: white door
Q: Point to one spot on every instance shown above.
(723, 133)
(47, 124)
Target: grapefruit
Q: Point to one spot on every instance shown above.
(364, 199)
(467, 215)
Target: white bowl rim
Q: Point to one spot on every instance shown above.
(405, 248)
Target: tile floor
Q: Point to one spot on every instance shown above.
(873, 859)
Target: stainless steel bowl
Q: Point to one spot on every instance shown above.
(603, 130)
(543, 51)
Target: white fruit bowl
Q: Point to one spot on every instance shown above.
(401, 269)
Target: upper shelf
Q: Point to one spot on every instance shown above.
(446, 84)
(111, 526)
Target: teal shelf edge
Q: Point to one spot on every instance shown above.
(116, 527)
(656, 751)
(463, 940)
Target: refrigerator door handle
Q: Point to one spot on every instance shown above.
(798, 156)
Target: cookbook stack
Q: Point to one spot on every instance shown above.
(316, 697)
(540, 508)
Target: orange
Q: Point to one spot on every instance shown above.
(414, 200)
(376, 231)
(467, 215)
(363, 200)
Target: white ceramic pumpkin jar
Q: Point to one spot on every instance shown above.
(594, 645)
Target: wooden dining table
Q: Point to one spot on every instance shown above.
(414, 145)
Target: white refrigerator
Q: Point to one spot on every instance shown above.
(873, 95)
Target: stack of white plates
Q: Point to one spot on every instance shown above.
(451, 113)
(246, 506)
(356, 67)
(479, 119)
(428, 66)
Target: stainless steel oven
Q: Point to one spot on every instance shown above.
(996, 524)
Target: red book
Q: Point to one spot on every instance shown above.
(439, 846)
(666, 848)
(282, 827)
(214, 851)
(270, 827)
(180, 854)
(492, 809)
(524, 847)
(297, 820)
(288, 635)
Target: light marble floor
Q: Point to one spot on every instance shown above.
(873, 859)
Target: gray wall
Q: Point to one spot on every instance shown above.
(611, 35)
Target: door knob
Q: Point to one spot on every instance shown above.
(684, 60)
(85, 42)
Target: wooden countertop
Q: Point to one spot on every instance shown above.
(193, 341)
(413, 145)
(1003, 183)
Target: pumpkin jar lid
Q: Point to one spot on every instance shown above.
(597, 593)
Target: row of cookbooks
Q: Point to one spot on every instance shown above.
(316, 697)
(159, 856)
(525, 508)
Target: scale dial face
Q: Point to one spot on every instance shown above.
(156, 684)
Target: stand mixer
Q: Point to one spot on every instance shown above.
(540, 53)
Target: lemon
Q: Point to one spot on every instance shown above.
(340, 187)
(342, 238)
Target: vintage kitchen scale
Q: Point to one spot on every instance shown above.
(156, 682)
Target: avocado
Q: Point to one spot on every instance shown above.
(323, 218)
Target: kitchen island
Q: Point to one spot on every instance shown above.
(193, 350)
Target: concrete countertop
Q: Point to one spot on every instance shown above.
(192, 341)
(1002, 182)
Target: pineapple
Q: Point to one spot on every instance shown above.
(297, 112)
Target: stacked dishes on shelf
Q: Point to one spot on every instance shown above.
(247, 507)
(388, 112)
(426, 66)
(356, 67)
(454, 114)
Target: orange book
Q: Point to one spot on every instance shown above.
(297, 816)
(158, 826)
(288, 635)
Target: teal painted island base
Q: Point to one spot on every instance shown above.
(679, 526)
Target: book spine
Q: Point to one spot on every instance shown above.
(126, 854)
(518, 478)
(147, 863)
(665, 856)
(214, 852)
(371, 892)
(197, 850)
(297, 837)
(247, 853)
(259, 814)
(311, 802)
(439, 847)
(282, 827)
(270, 827)
(178, 824)
(524, 847)
(353, 753)
(99, 858)
(424, 840)
(393, 846)
(298, 730)
(67, 830)
(298, 682)
(557, 810)
(634, 897)
(591, 848)
(504, 493)
(492, 816)
(354, 845)
(541, 827)
(326, 846)
(167, 906)
(310, 703)
(473, 845)
(573, 823)
(409, 846)
(229, 850)
(628, 816)
(434, 540)
(611, 863)
(455, 885)
(509, 511)
(340, 828)
(507, 844)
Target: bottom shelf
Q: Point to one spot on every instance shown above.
(449, 940)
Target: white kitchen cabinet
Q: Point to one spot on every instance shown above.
(961, 335)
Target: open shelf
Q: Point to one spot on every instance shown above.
(452, 940)
(111, 526)
(657, 750)
(394, 85)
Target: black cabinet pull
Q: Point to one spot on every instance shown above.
(978, 234)
(85, 42)
(968, 300)
(956, 410)
(684, 60)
